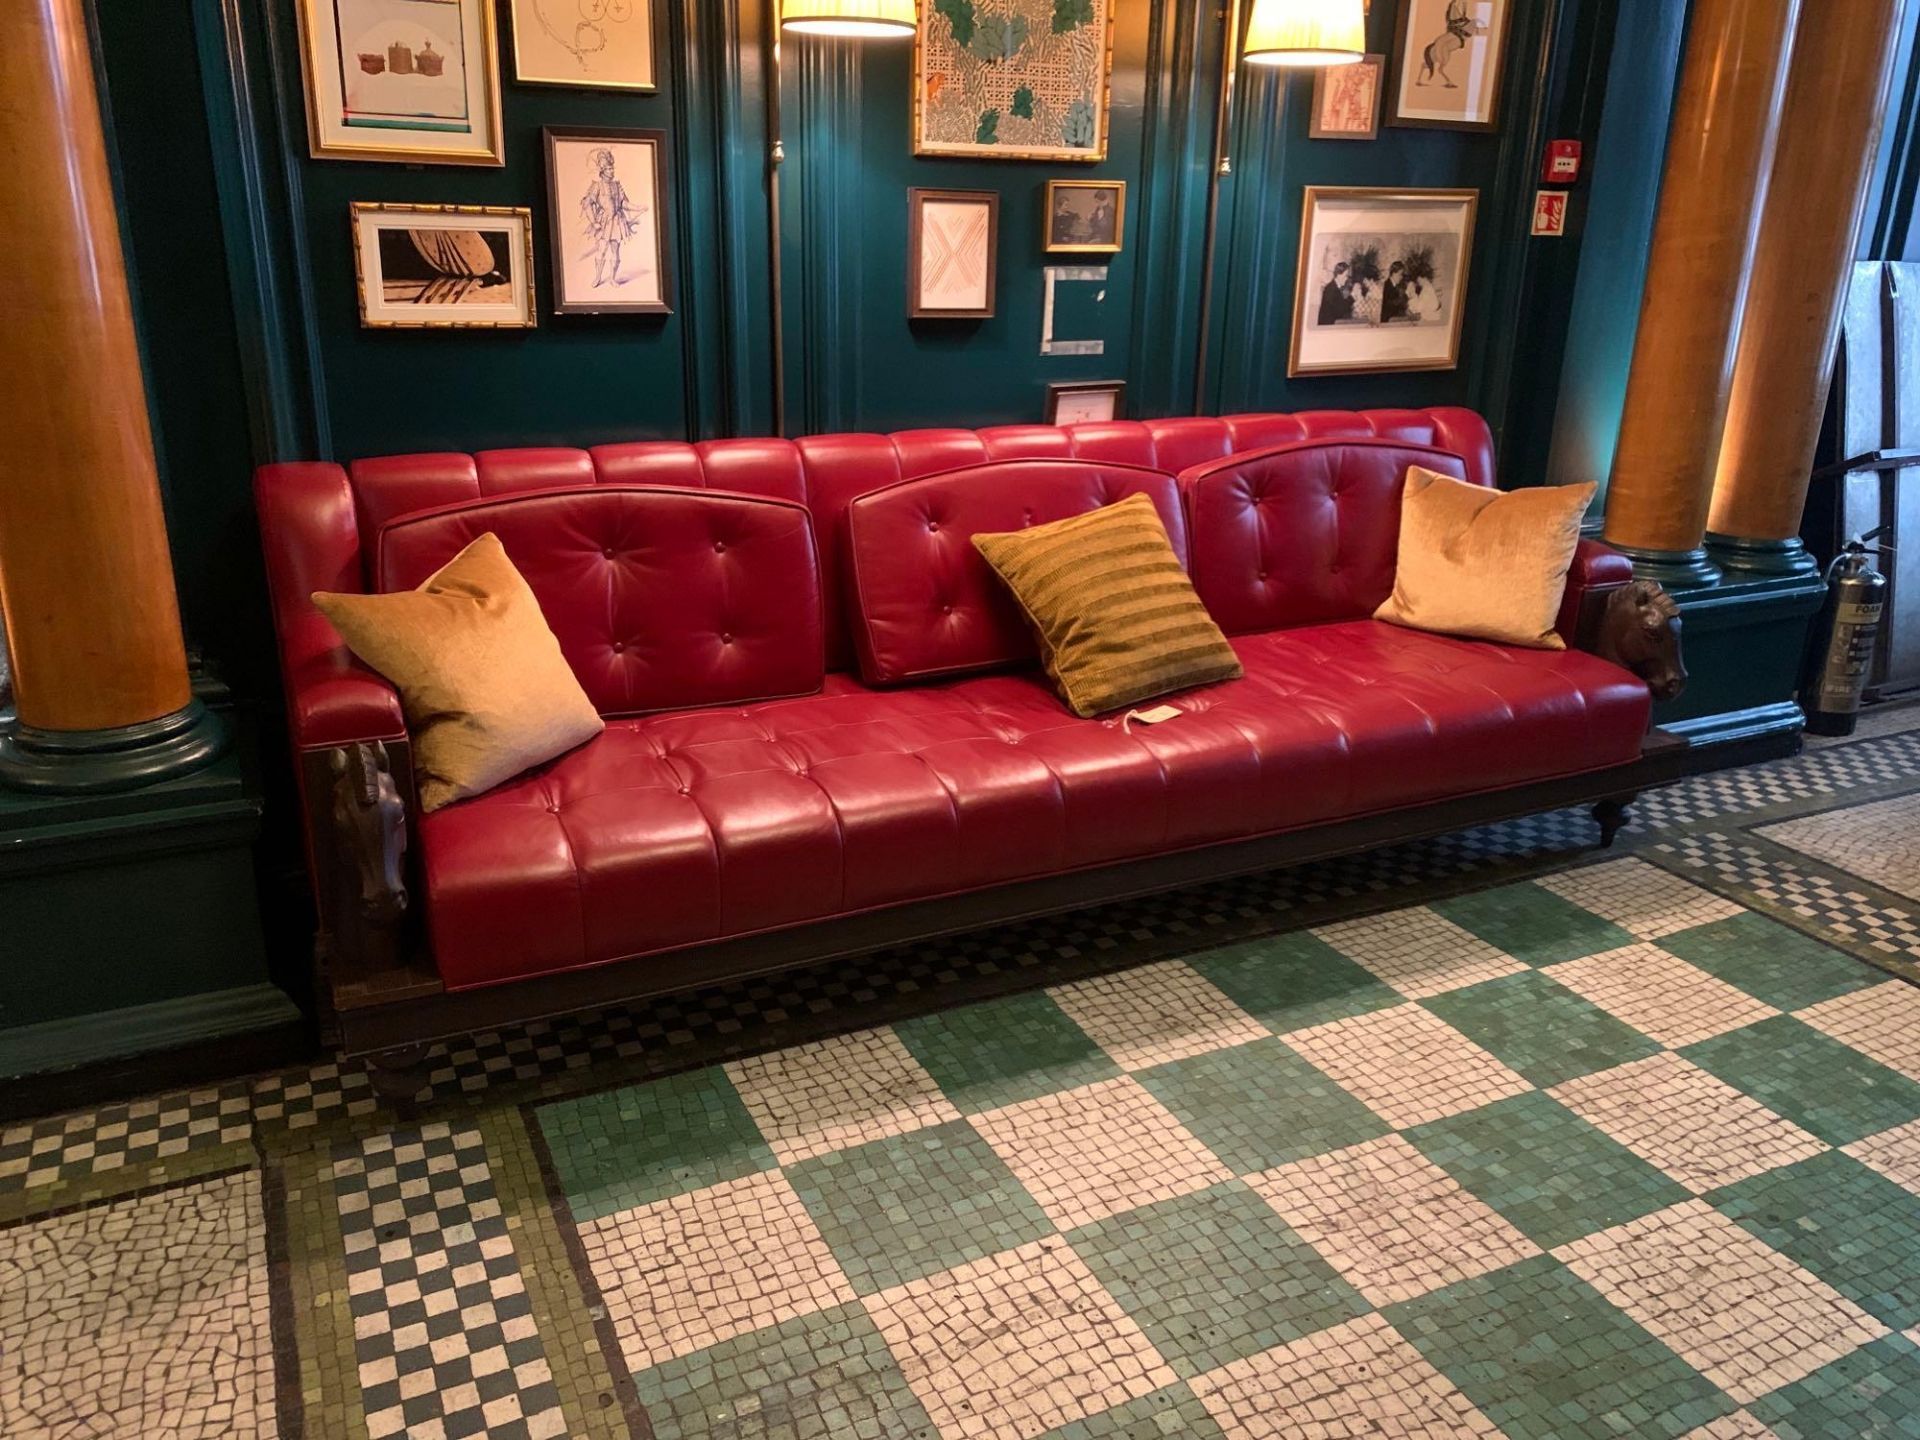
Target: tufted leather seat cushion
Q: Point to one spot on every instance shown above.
(922, 602)
(659, 597)
(694, 825)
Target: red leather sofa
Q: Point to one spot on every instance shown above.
(826, 727)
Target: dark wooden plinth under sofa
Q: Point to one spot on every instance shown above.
(826, 729)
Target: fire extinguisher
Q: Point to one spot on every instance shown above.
(1844, 639)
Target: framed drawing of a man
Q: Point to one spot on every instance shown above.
(607, 214)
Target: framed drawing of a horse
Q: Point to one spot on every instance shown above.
(1449, 57)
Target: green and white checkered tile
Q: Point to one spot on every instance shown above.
(1599, 1155)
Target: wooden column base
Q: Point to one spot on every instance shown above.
(82, 762)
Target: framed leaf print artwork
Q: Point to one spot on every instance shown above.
(952, 237)
(402, 80)
(443, 267)
(589, 44)
(1448, 60)
(1012, 79)
(1382, 281)
(607, 210)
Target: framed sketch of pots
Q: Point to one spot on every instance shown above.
(409, 81)
(587, 44)
(1075, 402)
(1449, 58)
(1382, 279)
(607, 214)
(1086, 217)
(443, 267)
(953, 237)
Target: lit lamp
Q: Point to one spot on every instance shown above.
(865, 19)
(1306, 32)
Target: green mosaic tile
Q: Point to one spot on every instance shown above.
(1291, 981)
(1820, 1084)
(824, 1376)
(1214, 1277)
(1001, 1052)
(642, 1143)
(1873, 1392)
(1851, 1226)
(916, 1204)
(1541, 1028)
(1169, 1414)
(1552, 1174)
(1533, 924)
(1546, 1358)
(1782, 967)
(1260, 1105)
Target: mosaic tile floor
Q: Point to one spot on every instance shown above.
(1490, 1135)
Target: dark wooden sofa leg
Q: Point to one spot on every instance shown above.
(1612, 815)
(398, 1077)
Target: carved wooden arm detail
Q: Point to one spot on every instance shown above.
(1638, 629)
(363, 860)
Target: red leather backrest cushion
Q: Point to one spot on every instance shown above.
(922, 602)
(660, 598)
(1301, 534)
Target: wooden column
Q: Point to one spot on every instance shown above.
(86, 581)
(1720, 147)
(1829, 135)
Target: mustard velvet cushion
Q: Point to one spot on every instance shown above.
(485, 687)
(1117, 617)
(1483, 563)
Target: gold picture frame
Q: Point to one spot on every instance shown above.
(334, 132)
(426, 285)
(1057, 218)
(1357, 326)
(541, 43)
(977, 150)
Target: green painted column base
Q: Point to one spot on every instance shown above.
(85, 762)
(1675, 569)
(1744, 558)
(1744, 640)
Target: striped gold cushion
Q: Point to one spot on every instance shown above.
(1117, 617)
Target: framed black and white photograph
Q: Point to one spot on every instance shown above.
(1077, 402)
(1086, 217)
(607, 214)
(953, 239)
(409, 81)
(442, 267)
(585, 44)
(1382, 279)
(1449, 56)
(1346, 100)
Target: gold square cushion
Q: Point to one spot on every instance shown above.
(1117, 617)
(1483, 563)
(486, 690)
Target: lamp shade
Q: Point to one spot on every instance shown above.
(874, 19)
(1306, 32)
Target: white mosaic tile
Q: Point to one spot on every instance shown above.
(834, 1093)
(1155, 1013)
(1660, 995)
(1640, 898)
(1418, 952)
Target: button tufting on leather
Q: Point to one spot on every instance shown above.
(932, 525)
(726, 637)
(607, 553)
(619, 647)
(719, 547)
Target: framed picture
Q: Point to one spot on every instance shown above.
(402, 80)
(1346, 100)
(591, 44)
(1448, 59)
(1012, 79)
(607, 211)
(437, 267)
(1382, 280)
(952, 237)
(1086, 217)
(1073, 402)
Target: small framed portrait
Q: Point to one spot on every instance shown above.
(607, 211)
(1346, 100)
(1449, 56)
(588, 44)
(1382, 280)
(1086, 217)
(1075, 402)
(440, 267)
(953, 237)
(409, 81)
